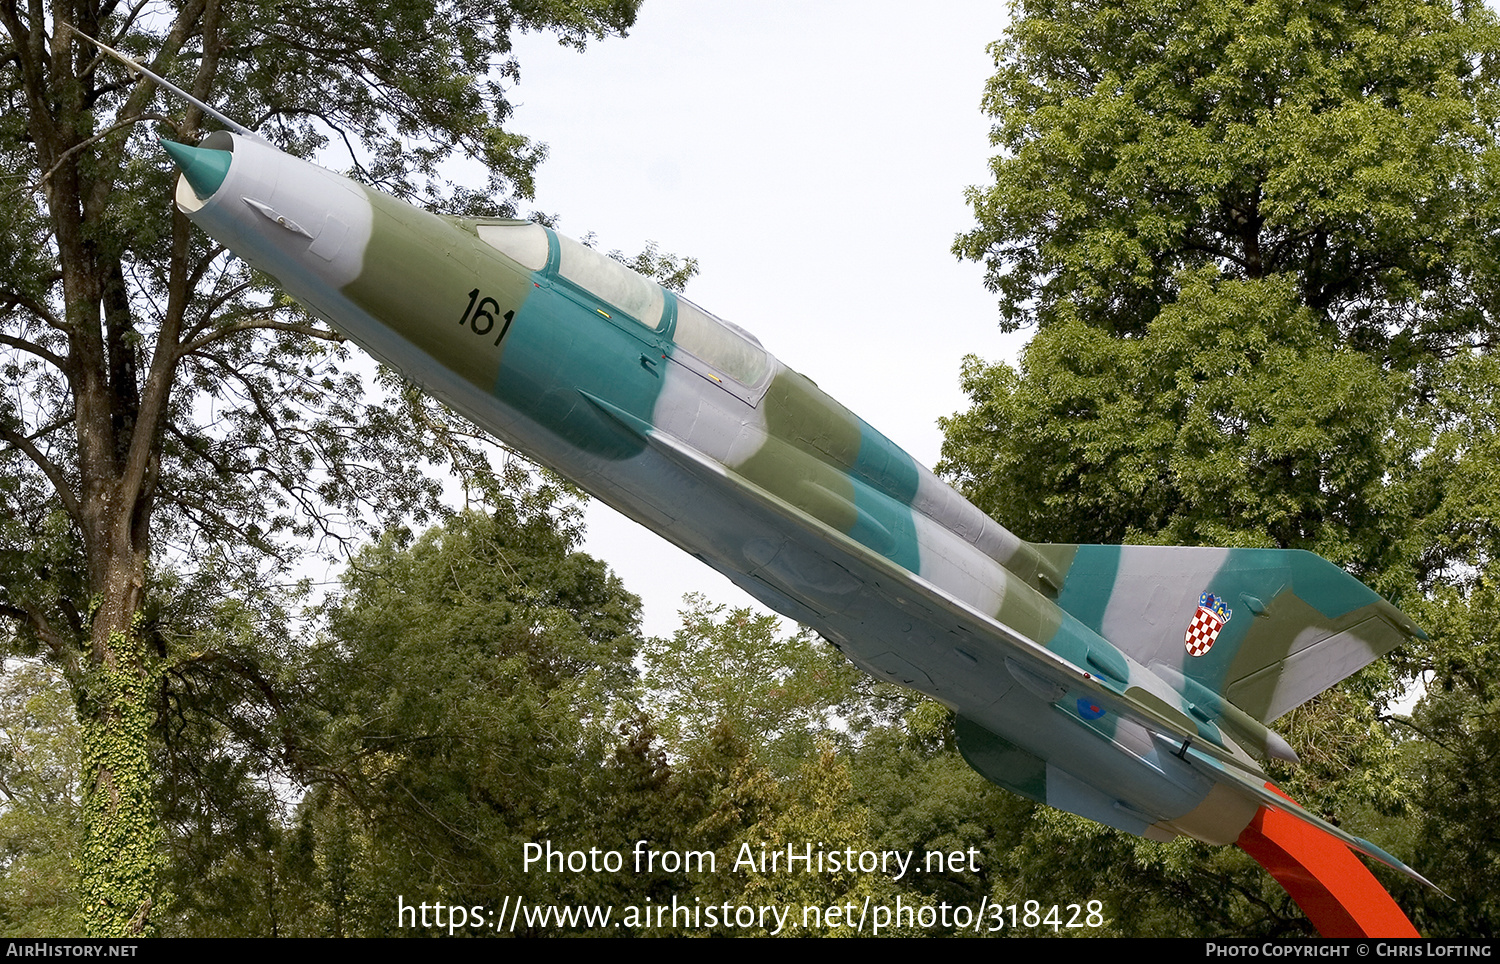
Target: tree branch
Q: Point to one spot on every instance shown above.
(50, 469)
(218, 334)
(64, 654)
(90, 141)
(57, 361)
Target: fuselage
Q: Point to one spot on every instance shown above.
(686, 424)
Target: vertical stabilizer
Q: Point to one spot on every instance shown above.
(1265, 629)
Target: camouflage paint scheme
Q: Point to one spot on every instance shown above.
(1066, 665)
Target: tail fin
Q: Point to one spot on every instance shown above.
(1265, 629)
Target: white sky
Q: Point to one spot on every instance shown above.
(813, 157)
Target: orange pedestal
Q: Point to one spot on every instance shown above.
(1331, 885)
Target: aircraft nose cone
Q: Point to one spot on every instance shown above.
(204, 167)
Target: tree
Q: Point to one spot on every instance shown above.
(817, 805)
(472, 680)
(468, 684)
(163, 408)
(751, 716)
(736, 669)
(923, 797)
(1229, 421)
(1454, 753)
(1258, 243)
(38, 802)
(1341, 146)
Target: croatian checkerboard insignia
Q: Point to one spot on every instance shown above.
(1210, 619)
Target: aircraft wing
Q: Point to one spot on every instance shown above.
(920, 598)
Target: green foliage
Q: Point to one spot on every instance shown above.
(924, 798)
(669, 270)
(1258, 241)
(235, 731)
(736, 669)
(468, 680)
(461, 703)
(120, 854)
(1231, 421)
(815, 810)
(1455, 753)
(1342, 146)
(39, 803)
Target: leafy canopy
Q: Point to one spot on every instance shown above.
(1342, 145)
(162, 407)
(1258, 241)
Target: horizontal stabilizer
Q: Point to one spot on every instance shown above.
(1270, 797)
(1266, 629)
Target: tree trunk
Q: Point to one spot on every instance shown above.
(121, 856)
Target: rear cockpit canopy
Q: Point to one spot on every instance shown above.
(727, 347)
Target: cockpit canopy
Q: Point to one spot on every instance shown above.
(721, 345)
(613, 283)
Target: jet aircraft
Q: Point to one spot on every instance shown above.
(1131, 685)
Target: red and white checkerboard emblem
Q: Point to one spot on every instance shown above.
(1207, 622)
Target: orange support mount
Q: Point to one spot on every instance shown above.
(1331, 885)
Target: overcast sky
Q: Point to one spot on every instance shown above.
(813, 156)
